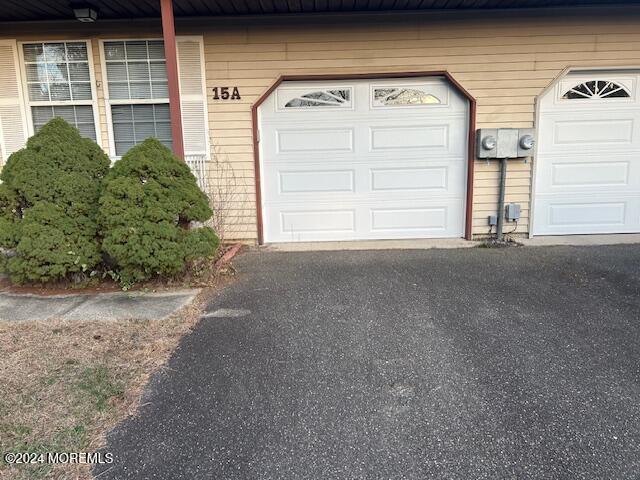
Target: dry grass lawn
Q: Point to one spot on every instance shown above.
(65, 384)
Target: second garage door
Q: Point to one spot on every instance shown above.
(363, 159)
(588, 158)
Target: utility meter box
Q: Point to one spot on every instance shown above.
(504, 143)
(512, 212)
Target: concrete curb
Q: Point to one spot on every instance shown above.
(581, 240)
(110, 306)
(417, 244)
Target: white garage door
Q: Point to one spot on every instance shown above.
(588, 158)
(363, 159)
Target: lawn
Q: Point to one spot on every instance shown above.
(65, 384)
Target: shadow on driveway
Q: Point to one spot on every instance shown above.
(457, 364)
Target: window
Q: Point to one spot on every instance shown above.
(138, 92)
(322, 98)
(393, 96)
(59, 84)
(596, 89)
(132, 124)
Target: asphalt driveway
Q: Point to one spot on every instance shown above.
(456, 364)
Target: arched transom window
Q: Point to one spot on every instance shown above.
(596, 89)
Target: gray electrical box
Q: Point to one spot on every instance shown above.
(504, 143)
(512, 212)
(507, 143)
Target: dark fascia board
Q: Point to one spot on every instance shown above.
(614, 7)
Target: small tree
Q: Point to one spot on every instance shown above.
(49, 205)
(149, 200)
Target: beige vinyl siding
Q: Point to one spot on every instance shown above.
(504, 60)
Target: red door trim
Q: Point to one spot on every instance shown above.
(363, 76)
(169, 38)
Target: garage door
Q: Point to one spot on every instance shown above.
(363, 159)
(588, 158)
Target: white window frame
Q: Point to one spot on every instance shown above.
(92, 79)
(426, 87)
(126, 101)
(574, 78)
(283, 97)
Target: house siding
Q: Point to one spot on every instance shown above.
(505, 60)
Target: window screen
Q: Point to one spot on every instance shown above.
(133, 123)
(59, 84)
(138, 92)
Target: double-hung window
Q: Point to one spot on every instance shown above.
(138, 94)
(59, 84)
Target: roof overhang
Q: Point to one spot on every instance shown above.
(48, 10)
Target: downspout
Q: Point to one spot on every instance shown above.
(171, 55)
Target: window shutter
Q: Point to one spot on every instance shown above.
(192, 95)
(13, 126)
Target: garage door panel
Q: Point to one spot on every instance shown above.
(378, 138)
(341, 199)
(584, 215)
(317, 140)
(314, 160)
(577, 131)
(617, 172)
(327, 221)
(407, 219)
(321, 221)
(589, 174)
(409, 136)
(324, 118)
(425, 139)
(402, 179)
(316, 181)
(593, 132)
(364, 172)
(365, 182)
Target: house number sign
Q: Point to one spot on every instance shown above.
(226, 93)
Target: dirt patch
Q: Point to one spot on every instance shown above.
(200, 273)
(494, 243)
(65, 384)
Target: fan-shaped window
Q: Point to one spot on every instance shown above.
(596, 89)
(322, 98)
(392, 96)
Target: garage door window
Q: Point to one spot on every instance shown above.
(596, 89)
(321, 98)
(395, 96)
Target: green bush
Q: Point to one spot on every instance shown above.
(149, 199)
(49, 205)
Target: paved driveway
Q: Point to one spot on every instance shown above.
(456, 364)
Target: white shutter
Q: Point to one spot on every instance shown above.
(13, 125)
(193, 100)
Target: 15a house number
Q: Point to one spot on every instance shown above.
(226, 93)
